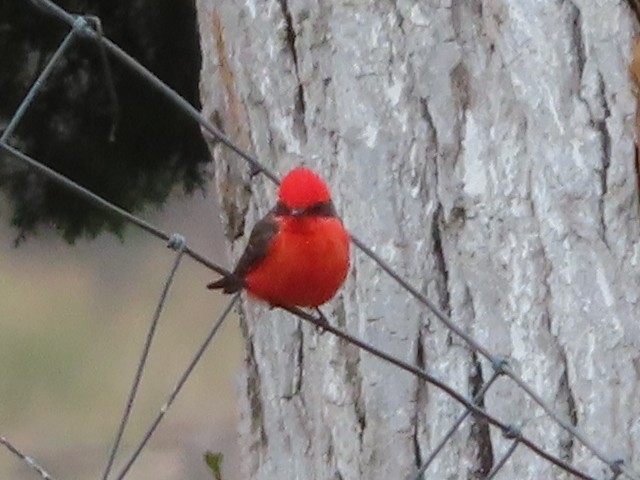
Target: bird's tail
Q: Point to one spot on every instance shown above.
(228, 284)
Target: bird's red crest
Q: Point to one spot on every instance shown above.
(302, 188)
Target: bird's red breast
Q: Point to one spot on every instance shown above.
(298, 254)
(306, 263)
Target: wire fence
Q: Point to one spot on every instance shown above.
(89, 27)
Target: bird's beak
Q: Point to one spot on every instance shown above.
(297, 212)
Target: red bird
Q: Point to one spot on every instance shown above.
(298, 254)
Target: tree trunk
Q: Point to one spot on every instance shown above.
(484, 149)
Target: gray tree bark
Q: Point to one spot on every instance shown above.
(486, 150)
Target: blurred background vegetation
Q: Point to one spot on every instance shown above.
(73, 317)
(156, 148)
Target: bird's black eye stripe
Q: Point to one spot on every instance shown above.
(324, 209)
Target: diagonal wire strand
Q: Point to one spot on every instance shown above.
(508, 430)
(455, 427)
(39, 83)
(143, 360)
(132, 63)
(30, 462)
(563, 422)
(501, 463)
(194, 361)
(106, 205)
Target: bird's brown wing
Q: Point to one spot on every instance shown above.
(257, 248)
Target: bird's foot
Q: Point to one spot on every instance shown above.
(321, 321)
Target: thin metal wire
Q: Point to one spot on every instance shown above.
(564, 423)
(424, 300)
(29, 461)
(179, 385)
(143, 360)
(106, 205)
(423, 375)
(77, 22)
(455, 426)
(498, 466)
(39, 83)
(161, 86)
